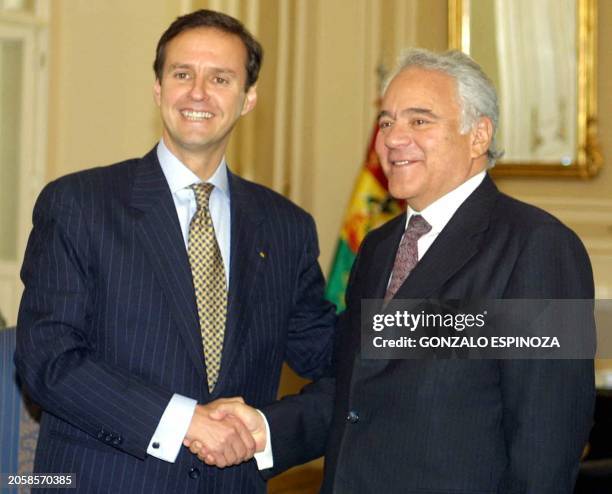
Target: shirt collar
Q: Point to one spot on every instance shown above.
(439, 212)
(180, 177)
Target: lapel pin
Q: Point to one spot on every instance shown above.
(262, 254)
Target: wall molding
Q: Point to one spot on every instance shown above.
(580, 209)
(591, 218)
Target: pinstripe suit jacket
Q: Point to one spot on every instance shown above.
(108, 326)
(451, 426)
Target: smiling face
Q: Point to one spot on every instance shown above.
(202, 93)
(419, 144)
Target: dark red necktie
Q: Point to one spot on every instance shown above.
(407, 253)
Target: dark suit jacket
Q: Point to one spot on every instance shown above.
(108, 326)
(451, 426)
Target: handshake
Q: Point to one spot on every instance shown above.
(226, 432)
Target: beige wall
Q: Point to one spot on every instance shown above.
(100, 98)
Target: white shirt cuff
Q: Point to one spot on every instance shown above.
(265, 459)
(168, 437)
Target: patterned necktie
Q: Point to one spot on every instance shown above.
(407, 253)
(208, 280)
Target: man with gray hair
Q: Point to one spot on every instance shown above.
(441, 426)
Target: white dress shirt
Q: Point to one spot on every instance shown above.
(170, 432)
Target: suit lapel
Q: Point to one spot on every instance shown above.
(161, 239)
(381, 265)
(247, 243)
(378, 270)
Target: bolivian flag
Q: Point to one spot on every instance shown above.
(370, 206)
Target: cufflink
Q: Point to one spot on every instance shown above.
(155, 445)
(262, 254)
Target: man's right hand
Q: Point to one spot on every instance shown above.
(222, 440)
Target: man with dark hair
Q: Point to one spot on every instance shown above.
(437, 426)
(208, 18)
(157, 288)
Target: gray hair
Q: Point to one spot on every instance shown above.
(477, 95)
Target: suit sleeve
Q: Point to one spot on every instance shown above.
(300, 424)
(56, 342)
(312, 320)
(548, 404)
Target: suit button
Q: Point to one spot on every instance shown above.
(108, 438)
(101, 434)
(118, 440)
(352, 417)
(194, 473)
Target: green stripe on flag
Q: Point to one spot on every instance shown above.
(338, 277)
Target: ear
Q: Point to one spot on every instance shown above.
(157, 92)
(250, 100)
(482, 135)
